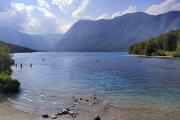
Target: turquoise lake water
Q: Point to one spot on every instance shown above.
(122, 79)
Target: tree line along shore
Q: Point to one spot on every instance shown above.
(167, 44)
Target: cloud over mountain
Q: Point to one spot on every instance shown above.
(30, 19)
(57, 16)
(165, 6)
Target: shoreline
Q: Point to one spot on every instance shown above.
(9, 113)
(145, 56)
(86, 109)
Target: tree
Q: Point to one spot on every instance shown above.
(7, 84)
(178, 47)
(5, 59)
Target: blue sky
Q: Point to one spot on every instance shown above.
(57, 16)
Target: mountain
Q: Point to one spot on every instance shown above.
(16, 48)
(38, 42)
(167, 44)
(117, 34)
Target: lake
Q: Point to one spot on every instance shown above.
(122, 79)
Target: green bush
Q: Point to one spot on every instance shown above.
(177, 54)
(5, 59)
(7, 84)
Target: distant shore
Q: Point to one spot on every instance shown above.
(87, 111)
(157, 56)
(171, 57)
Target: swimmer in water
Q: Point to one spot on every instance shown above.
(21, 65)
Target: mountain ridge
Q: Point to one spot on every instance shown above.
(117, 34)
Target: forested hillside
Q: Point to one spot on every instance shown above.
(16, 48)
(167, 44)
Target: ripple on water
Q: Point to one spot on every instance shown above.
(117, 77)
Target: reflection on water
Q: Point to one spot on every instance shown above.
(118, 77)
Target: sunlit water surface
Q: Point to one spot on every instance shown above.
(122, 79)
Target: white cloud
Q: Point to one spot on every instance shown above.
(63, 4)
(30, 19)
(165, 6)
(176, 7)
(131, 9)
(66, 26)
(88, 18)
(81, 8)
(103, 16)
(43, 3)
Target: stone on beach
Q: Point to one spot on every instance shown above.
(86, 100)
(97, 118)
(65, 111)
(45, 116)
(71, 112)
(53, 117)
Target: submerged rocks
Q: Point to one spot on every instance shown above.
(76, 101)
(66, 111)
(70, 112)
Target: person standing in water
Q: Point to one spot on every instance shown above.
(43, 59)
(21, 65)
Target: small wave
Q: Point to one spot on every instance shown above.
(42, 101)
(54, 103)
(27, 91)
(29, 100)
(23, 97)
(19, 103)
(23, 108)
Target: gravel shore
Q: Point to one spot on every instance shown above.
(86, 110)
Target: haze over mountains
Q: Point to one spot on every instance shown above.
(118, 33)
(38, 42)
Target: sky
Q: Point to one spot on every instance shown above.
(57, 16)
